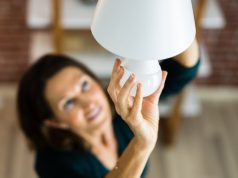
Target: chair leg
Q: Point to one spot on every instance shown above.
(57, 28)
(171, 124)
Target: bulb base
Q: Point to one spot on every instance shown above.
(148, 73)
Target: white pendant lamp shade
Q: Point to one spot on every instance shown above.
(144, 29)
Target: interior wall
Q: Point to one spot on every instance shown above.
(14, 40)
(222, 47)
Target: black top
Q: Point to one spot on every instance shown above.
(77, 164)
(178, 76)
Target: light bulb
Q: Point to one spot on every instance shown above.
(147, 72)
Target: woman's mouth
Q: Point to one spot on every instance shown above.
(93, 114)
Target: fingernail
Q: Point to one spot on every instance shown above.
(119, 69)
(132, 76)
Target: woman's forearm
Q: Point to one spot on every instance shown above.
(190, 56)
(141, 115)
(132, 162)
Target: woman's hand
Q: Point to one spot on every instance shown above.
(141, 114)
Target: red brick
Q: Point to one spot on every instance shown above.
(14, 40)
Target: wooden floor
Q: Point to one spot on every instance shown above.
(206, 147)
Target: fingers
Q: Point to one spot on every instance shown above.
(155, 96)
(123, 95)
(137, 105)
(120, 95)
(116, 68)
(116, 65)
(114, 86)
(161, 87)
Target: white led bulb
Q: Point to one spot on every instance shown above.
(147, 72)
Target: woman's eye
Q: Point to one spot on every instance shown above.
(85, 86)
(69, 104)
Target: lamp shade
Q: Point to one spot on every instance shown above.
(144, 29)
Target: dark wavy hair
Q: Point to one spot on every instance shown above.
(33, 108)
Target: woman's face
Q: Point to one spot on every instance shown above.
(77, 101)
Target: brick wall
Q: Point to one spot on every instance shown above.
(14, 40)
(222, 46)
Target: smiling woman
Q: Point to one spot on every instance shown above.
(69, 119)
(79, 103)
(38, 105)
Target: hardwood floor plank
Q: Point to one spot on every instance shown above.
(170, 158)
(220, 141)
(231, 126)
(191, 148)
(227, 146)
(213, 166)
(4, 150)
(28, 166)
(155, 169)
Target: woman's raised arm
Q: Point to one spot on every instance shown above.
(190, 56)
(141, 115)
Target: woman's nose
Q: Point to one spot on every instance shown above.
(88, 108)
(86, 102)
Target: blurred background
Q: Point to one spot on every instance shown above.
(199, 129)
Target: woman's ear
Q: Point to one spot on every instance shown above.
(55, 124)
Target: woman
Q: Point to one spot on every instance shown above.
(69, 119)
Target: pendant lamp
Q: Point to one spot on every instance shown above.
(143, 32)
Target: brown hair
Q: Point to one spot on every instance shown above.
(33, 108)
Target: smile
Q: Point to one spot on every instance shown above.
(94, 114)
